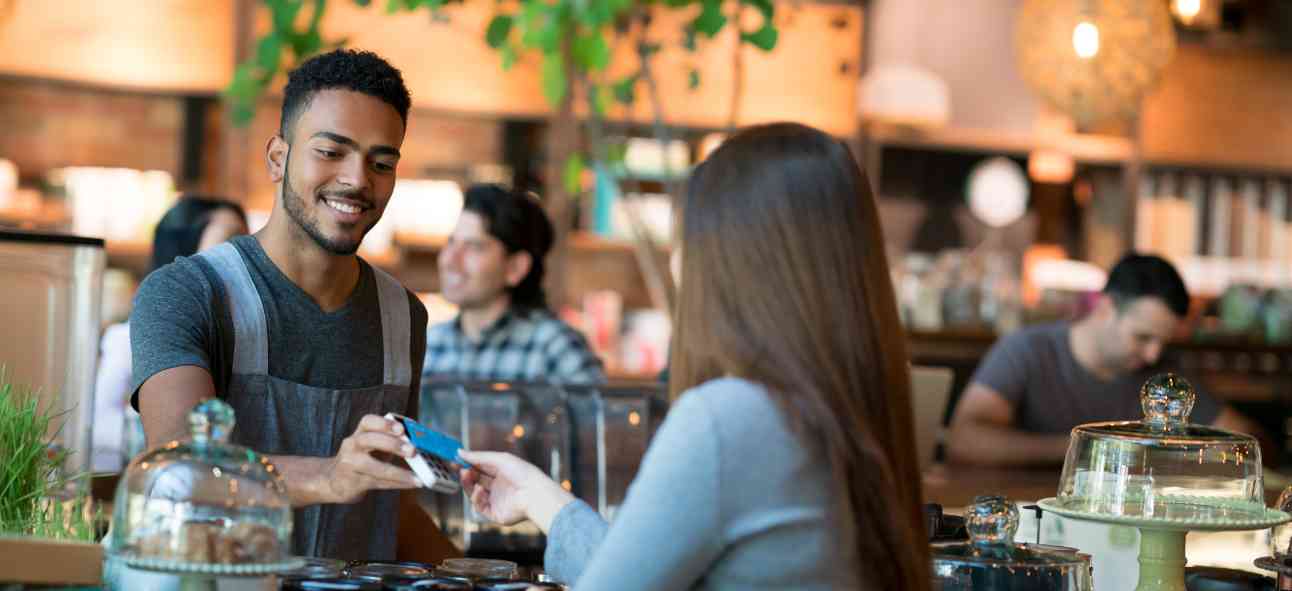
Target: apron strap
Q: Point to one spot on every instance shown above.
(250, 339)
(396, 330)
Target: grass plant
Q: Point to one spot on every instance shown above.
(34, 491)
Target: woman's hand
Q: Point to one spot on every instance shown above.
(507, 490)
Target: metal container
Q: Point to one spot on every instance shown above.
(991, 561)
(50, 308)
(591, 439)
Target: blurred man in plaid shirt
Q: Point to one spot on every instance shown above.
(492, 269)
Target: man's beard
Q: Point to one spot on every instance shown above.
(295, 206)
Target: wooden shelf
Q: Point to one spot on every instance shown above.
(135, 257)
(419, 242)
(582, 241)
(47, 217)
(1087, 148)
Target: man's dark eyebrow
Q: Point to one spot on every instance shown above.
(345, 141)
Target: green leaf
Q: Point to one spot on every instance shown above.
(508, 56)
(498, 30)
(362, 3)
(711, 19)
(593, 14)
(268, 52)
(284, 14)
(542, 25)
(554, 78)
(625, 90)
(764, 38)
(599, 98)
(616, 153)
(307, 43)
(693, 79)
(767, 7)
(591, 52)
(572, 173)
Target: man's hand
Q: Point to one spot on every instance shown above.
(506, 489)
(348, 476)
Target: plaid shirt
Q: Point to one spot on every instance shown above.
(533, 347)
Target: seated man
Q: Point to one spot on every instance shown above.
(1034, 386)
(492, 268)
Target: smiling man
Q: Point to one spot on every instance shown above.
(308, 343)
(492, 268)
(1035, 385)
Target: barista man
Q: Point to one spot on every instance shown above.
(308, 343)
(1035, 385)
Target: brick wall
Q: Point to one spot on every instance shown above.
(53, 124)
(49, 124)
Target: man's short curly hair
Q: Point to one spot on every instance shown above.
(346, 69)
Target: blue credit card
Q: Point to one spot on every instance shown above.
(433, 442)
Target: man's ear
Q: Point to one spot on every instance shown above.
(518, 266)
(276, 157)
(1105, 307)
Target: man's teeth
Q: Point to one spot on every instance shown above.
(342, 207)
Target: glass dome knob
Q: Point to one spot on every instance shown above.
(211, 419)
(1167, 400)
(992, 520)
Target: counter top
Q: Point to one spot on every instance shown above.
(955, 485)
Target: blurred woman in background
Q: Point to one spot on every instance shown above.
(192, 225)
(787, 460)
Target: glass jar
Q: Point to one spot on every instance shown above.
(478, 568)
(337, 584)
(992, 561)
(382, 570)
(317, 568)
(191, 505)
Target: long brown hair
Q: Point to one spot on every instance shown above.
(785, 283)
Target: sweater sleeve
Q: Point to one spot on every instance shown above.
(672, 514)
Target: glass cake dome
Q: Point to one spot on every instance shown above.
(1163, 468)
(196, 504)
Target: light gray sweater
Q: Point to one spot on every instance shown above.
(726, 498)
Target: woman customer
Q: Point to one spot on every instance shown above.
(192, 225)
(787, 459)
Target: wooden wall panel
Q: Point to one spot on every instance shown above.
(811, 76)
(163, 45)
(447, 65)
(1222, 108)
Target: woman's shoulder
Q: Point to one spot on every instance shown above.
(735, 407)
(727, 393)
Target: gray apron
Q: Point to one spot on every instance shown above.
(275, 416)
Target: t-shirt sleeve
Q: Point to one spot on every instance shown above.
(1005, 368)
(172, 322)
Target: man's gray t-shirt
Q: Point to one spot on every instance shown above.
(1035, 370)
(180, 318)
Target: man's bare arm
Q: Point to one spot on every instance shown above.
(982, 432)
(166, 399)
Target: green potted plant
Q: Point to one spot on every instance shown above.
(48, 524)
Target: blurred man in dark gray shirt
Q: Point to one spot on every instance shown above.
(1035, 385)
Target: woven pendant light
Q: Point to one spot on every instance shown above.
(1093, 59)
